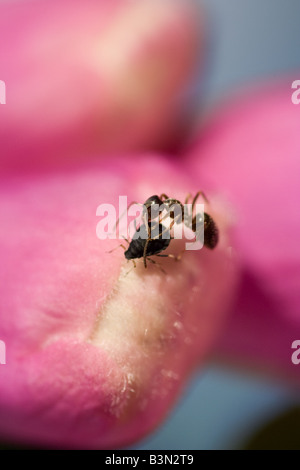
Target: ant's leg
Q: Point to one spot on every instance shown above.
(145, 251)
(175, 257)
(152, 221)
(134, 266)
(121, 245)
(192, 216)
(163, 196)
(156, 224)
(135, 226)
(146, 219)
(157, 264)
(199, 193)
(125, 212)
(183, 212)
(187, 198)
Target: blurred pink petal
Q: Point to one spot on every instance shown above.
(83, 77)
(97, 355)
(250, 153)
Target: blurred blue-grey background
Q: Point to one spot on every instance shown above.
(250, 41)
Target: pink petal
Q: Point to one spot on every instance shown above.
(250, 153)
(83, 77)
(97, 354)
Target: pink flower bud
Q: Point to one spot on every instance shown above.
(98, 350)
(84, 78)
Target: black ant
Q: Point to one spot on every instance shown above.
(144, 244)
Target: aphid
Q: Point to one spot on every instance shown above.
(141, 246)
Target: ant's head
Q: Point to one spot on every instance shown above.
(154, 206)
(152, 200)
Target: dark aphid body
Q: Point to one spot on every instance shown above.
(137, 245)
